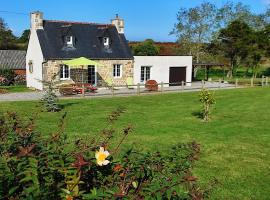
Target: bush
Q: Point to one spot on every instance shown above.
(7, 76)
(34, 166)
(50, 99)
(20, 80)
(207, 99)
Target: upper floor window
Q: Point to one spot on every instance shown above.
(64, 72)
(106, 41)
(117, 71)
(69, 40)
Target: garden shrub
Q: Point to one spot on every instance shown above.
(208, 100)
(50, 99)
(35, 166)
(7, 76)
(20, 80)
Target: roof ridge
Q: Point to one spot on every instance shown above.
(74, 22)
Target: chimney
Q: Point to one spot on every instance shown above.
(36, 20)
(119, 24)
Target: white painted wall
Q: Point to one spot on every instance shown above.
(160, 67)
(34, 53)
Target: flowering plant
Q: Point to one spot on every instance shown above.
(34, 166)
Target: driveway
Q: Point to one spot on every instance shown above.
(196, 86)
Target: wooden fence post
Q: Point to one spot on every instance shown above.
(219, 83)
(138, 89)
(112, 89)
(83, 90)
(182, 85)
(266, 80)
(236, 82)
(262, 81)
(252, 82)
(162, 86)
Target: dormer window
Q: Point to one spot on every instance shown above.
(106, 41)
(69, 40)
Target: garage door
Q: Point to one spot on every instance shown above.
(177, 75)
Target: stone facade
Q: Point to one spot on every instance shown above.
(103, 72)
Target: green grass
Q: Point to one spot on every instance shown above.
(235, 143)
(16, 88)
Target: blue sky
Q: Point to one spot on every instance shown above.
(144, 18)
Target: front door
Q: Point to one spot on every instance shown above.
(91, 75)
(177, 75)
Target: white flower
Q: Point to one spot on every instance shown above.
(101, 156)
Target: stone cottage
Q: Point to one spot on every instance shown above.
(51, 42)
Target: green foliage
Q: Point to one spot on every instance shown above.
(37, 167)
(146, 48)
(196, 27)
(50, 99)
(24, 37)
(208, 100)
(7, 39)
(7, 76)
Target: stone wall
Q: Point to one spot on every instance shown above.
(104, 72)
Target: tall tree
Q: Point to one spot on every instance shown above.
(194, 27)
(236, 41)
(7, 39)
(230, 12)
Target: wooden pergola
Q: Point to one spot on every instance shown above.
(207, 67)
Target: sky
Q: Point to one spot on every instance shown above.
(143, 18)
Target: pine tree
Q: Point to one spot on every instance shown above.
(50, 99)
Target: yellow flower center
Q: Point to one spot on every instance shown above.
(101, 156)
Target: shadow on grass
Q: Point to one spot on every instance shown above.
(66, 105)
(198, 114)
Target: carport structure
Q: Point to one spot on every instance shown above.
(207, 67)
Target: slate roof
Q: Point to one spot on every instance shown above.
(12, 59)
(88, 41)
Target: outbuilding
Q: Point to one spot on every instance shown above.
(171, 70)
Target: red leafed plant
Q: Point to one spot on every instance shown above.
(35, 166)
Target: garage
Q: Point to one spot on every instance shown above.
(163, 69)
(177, 75)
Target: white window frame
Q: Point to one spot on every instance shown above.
(62, 67)
(70, 41)
(115, 68)
(106, 41)
(144, 75)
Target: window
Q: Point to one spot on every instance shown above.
(64, 72)
(106, 41)
(30, 64)
(69, 40)
(145, 73)
(117, 71)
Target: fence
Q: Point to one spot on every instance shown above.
(141, 89)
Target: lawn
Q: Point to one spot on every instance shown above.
(235, 143)
(16, 88)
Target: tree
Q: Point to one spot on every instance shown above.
(146, 48)
(25, 36)
(230, 12)
(197, 27)
(234, 42)
(194, 27)
(7, 39)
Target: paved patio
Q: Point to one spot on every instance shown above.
(103, 92)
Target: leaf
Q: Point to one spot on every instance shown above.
(134, 184)
(12, 190)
